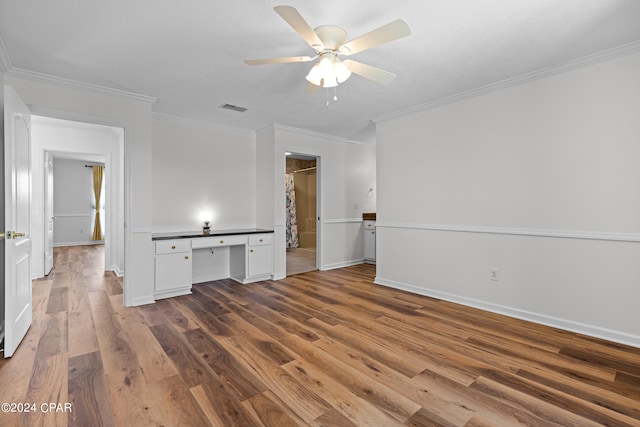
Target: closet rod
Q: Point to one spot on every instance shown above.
(90, 166)
(304, 170)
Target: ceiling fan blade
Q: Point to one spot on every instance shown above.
(297, 22)
(392, 31)
(370, 72)
(279, 60)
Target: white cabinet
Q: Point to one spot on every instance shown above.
(259, 257)
(172, 268)
(370, 242)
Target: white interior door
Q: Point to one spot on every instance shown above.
(18, 309)
(48, 212)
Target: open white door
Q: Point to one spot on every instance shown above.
(17, 239)
(48, 213)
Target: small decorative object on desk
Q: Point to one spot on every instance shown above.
(206, 229)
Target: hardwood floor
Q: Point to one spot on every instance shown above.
(320, 349)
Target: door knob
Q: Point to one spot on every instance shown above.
(12, 234)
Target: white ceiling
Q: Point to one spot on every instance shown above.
(189, 54)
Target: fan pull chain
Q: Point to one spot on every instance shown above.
(335, 95)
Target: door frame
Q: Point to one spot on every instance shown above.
(48, 214)
(319, 210)
(125, 176)
(70, 148)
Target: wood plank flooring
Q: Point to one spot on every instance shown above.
(316, 349)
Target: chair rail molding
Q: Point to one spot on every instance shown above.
(534, 232)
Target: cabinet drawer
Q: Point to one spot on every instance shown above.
(169, 246)
(260, 239)
(217, 241)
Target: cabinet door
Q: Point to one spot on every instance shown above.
(370, 244)
(173, 271)
(259, 260)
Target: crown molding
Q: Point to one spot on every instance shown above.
(169, 118)
(605, 55)
(74, 84)
(5, 62)
(316, 134)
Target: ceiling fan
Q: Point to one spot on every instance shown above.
(328, 41)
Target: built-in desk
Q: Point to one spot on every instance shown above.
(185, 258)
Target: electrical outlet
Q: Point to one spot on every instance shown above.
(494, 274)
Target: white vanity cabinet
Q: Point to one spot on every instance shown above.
(260, 256)
(370, 241)
(172, 268)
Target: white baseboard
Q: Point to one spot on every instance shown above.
(342, 264)
(567, 325)
(116, 270)
(171, 293)
(144, 300)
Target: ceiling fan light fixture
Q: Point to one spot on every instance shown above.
(328, 72)
(341, 71)
(330, 81)
(315, 75)
(326, 68)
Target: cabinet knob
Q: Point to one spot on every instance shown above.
(186, 257)
(221, 241)
(373, 232)
(173, 247)
(251, 250)
(260, 240)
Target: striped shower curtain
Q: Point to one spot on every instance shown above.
(292, 223)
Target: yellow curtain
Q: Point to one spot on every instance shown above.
(98, 173)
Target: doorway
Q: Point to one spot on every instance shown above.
(301, 212)
(65, 141)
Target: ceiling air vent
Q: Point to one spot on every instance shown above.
(233, 108)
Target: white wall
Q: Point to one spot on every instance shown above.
(346, 171)
(72, 202)
(199, 168)
(133, 114)
(265, 177)
(540, 181)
